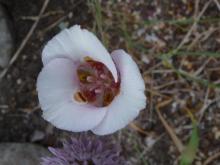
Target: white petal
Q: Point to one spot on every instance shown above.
(76, 43)
(131, 99)
(56, 85)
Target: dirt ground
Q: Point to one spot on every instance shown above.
(176, 44)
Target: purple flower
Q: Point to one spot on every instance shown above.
(85, 151)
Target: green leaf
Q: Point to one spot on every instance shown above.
(189, 153)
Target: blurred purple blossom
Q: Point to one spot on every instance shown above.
(85, 150)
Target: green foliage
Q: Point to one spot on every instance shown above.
(96, 8)
(189, 153)
(188, 76)
(185, 21)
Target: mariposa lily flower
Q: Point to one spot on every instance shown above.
(82, 87)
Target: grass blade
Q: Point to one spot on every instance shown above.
(189, 153)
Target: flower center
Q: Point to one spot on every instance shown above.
(97, 85)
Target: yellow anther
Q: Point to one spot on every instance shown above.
(78, 96)
(87, 59)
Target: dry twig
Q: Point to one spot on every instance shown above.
(138, 129)
(200, 69)
(59, 20)
(193, 27)
(34, 18)
(54, 24)
(168, 128)
(211, 158)
(217, 4)
(205, 107)
(25, 40)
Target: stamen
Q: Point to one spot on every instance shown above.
(83, 76)
(98, 91)
(107, 85)
(108, 97)
(103, 76)
(90, 79)
(78, 96)
(96, 83)
(87, 59)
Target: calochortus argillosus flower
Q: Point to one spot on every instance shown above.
(82, 87)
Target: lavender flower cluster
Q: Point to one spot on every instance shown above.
(85, 150)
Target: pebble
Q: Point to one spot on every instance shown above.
(6, 38)
(21, 154)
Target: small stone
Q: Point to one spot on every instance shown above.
(21, 154)
(151, 38)
(145, 59)
(216, 132)
(150, 141)
(37, 135)
(198, 163)
(6, 39)
(140, 32)
(19, 81)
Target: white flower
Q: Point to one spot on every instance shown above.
(82, 87)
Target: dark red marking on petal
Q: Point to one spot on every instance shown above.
(97, 84)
